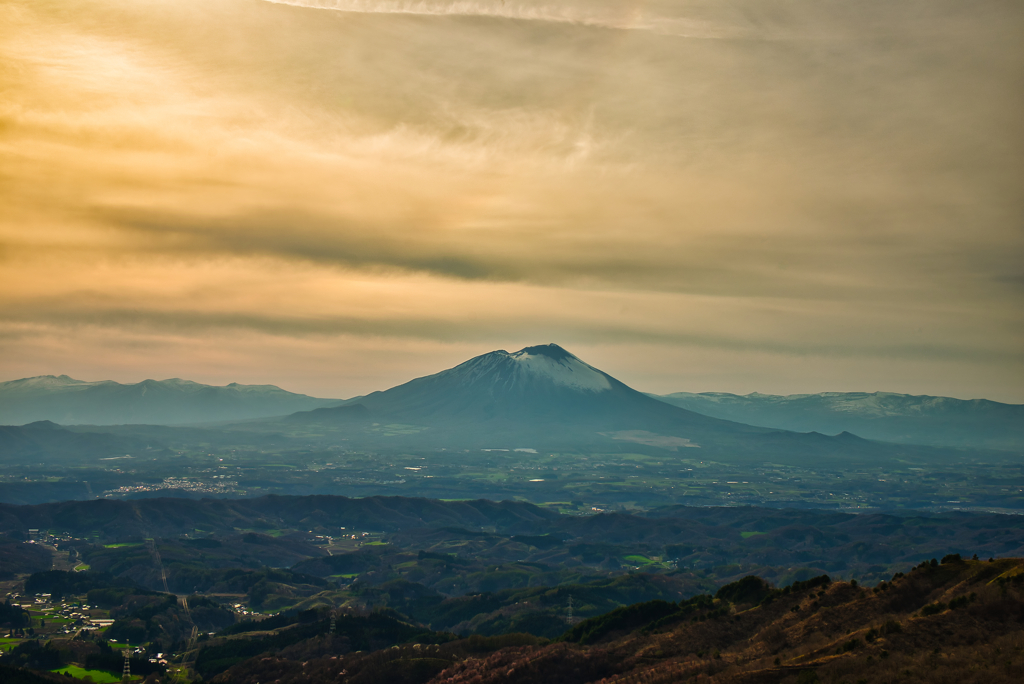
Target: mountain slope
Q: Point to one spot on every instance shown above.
(543, 397)
(958, 621)
(68, 401)
(955, 621)
(901, 418)
(538, 395)
(45, 440)
(543, 383)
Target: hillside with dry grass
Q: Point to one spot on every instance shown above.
(951, 621)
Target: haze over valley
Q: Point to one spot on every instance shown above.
(538, 424)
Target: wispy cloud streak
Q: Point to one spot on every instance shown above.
(629, 16)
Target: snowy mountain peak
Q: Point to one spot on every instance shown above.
(537, 392)
(552, 351)
(560, 367)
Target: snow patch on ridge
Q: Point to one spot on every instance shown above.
(567, 370)
(46, 381)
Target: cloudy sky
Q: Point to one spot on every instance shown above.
(338, 195)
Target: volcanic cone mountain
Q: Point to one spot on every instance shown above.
(544, 397)
(542, 384)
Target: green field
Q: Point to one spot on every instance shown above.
(269, 532)
(98, 676)
(637, 560)
(748, 535)
(7, 644)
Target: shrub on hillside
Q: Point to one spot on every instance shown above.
(750, 589)
(625, 619)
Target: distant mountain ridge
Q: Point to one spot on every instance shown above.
(68, 401)
(886, 416)
(543, 397)
(531, 390)
(540, 397)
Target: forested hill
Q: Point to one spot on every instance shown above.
(488, 532)
(171, 517)
(958, 620)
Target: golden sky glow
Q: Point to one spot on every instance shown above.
(338, 195)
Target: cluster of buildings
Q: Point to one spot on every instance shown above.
(204, 486)
(72, 618)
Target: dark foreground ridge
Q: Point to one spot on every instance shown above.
(954, 621)
(468, 592)
(958, 620)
